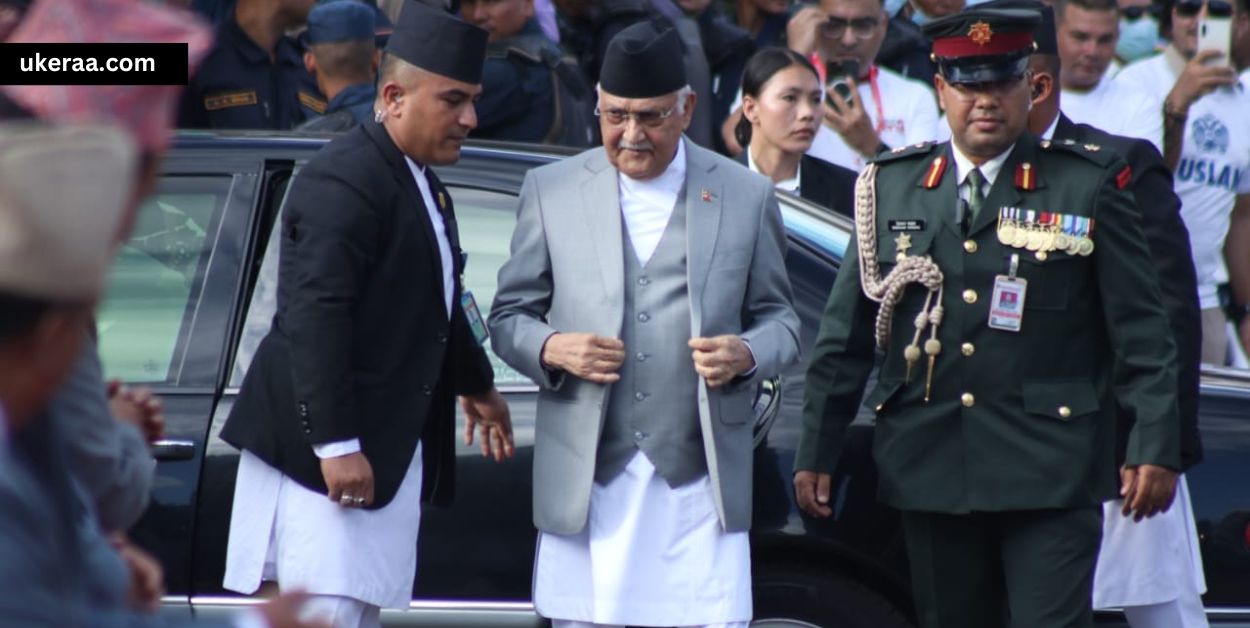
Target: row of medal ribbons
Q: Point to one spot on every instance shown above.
(1045, 231)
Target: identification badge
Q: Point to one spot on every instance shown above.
(475, 317)
(1007, 305)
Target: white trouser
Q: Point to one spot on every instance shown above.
(1184, 612)
(341, 612)
(564, 623)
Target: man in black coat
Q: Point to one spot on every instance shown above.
(1140, 568)
(346, 416)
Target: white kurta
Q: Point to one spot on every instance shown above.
(650, 555)
(283, 532)
(1151, 561)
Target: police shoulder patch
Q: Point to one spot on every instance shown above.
(904, 152)
(312, 102)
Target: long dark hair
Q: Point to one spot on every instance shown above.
(760, 67)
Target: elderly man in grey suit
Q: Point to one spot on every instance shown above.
(647, 295)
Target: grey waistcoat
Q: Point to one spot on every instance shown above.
(653, 407)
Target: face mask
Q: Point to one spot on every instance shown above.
(1137, 38)
(892, 7)
(918, 16)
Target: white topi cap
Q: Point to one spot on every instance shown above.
(63, 191)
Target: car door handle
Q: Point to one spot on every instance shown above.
(173, 450)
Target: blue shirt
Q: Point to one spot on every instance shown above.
(240, 87)
(358, 99)
(518, 98)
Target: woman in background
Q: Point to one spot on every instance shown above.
(781, 113)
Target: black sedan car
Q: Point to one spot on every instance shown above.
(192, 293)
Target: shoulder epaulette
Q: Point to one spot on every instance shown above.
(1092, 152)
(904, 152)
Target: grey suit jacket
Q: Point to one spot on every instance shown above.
(566, 274)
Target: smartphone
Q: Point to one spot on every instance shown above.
(1216, 33)
(837, 73)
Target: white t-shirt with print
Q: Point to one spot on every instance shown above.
(1214, 167)
(1116, 108)
(910, 112)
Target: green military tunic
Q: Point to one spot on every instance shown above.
(1015, 420)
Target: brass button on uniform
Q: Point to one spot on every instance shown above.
(967, 349)
(970, 296)
(970, 246)
(1040, 255)
(968, 400)
(1065, 411)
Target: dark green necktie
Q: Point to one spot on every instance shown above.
(976, 193)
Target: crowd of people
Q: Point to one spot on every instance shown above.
(1018, 174)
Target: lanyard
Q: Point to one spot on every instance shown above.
(873, 85)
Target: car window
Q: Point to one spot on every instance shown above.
(486, 220)
(154, 284)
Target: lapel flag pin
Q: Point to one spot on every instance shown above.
(707, 196)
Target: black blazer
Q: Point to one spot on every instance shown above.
(361, 345)
(823, 183)
(1151, 186)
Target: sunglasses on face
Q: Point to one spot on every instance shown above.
(862, 28)
(1134, 13)
(1215, 8)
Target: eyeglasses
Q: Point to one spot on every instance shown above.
(1215, 8)
(1134, 13)
(862, 28)
(647, 117)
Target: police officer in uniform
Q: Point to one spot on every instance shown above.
(254, 78)
(343, 56)
(1006, 279)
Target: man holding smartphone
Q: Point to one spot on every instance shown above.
(881, 108)
(1206, 141)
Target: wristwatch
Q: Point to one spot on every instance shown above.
(1238, 312)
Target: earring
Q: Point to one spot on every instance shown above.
(379, 115)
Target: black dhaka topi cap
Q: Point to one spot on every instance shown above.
(438, 42)
(980, 45)
(643, 62)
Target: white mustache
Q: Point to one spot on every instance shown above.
(631, 146)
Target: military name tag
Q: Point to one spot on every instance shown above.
(910, 224)
(475, 317)
(1007, 305)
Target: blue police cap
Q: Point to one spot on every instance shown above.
(341, 20)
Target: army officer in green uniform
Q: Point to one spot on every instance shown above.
(1006, 280)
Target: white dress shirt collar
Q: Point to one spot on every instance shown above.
(785, 185)
(989, 169)
(1049, 133)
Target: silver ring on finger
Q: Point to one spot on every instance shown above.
(346, 500)
(359, 501)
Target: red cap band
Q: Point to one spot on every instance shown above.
(969, 46)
